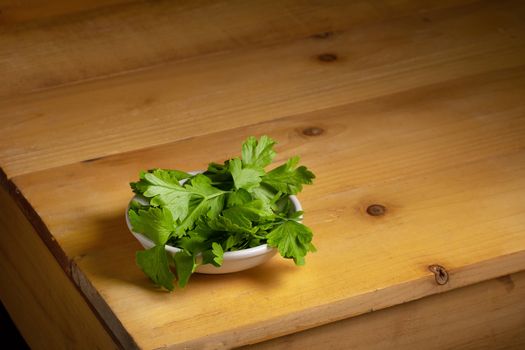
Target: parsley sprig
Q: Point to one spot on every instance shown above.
(231, 206)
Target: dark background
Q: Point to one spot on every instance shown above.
(8, 332)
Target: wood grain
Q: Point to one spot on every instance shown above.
(447, 161)
(488, 315)
(16, 12)
(45, 305)
(417, 107)
(62, 42)
(219, 92)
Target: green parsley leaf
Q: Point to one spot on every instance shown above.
(288, 178)
(220, 176)
(293, 240)
(267, 194)
(245, 177)
(170, 175)
(168, 193)
(193, 242)
(185, 265)
(254, 211)
(201, 185)
(140, 186)
(233, 241)
(218, 253)
(258, 153)
(226, 226)
(154, 223)
(165, 174)
(238, 197)
(154, 263)
(206, 201)
(235, 219)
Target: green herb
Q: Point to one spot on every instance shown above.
(231, 206)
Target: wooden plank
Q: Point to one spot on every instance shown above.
(22, 11)
(447, 161)
(488, 315)
(78, 40)
(46, 306)
(228, 90)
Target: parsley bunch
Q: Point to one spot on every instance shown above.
(231, 206)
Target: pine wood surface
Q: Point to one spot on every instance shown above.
(384, 260)
(219, 92)
(57, 42)
(488, 315)
(417, 108)
(43, 302)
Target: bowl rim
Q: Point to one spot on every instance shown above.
(234, 255)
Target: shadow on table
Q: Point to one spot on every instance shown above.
(110, 255)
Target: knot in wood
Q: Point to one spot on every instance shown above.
(323, 35)
(313, 131)
(440, 274)
(376, 210)
(327, 57)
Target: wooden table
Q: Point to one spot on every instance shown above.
(414, 106)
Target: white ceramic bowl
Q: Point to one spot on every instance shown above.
(233, 261)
